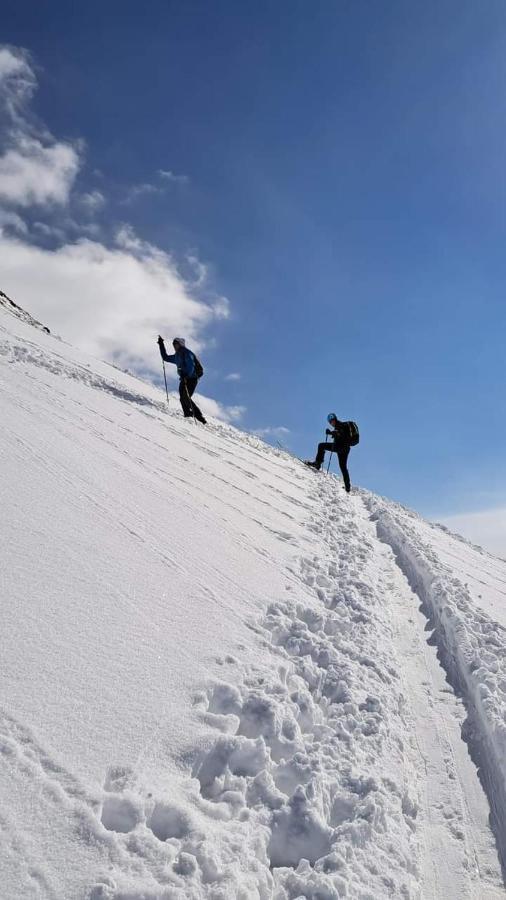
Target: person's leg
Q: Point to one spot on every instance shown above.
(185, 399)
(191, 384)
(320, 456)
(342, 455)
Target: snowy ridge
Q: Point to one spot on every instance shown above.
(471, 644)
(216, 675)
(16, 310)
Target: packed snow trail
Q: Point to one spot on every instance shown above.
(470, 642)
(459, 852)
(216, 681)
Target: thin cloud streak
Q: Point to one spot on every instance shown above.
(175, 179)
(93, 200)
(272, 431)
(147, 188)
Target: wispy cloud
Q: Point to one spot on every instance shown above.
(11, 220)
(17, 81)
(148, 188)
(49, 231)
(144, 189)
(277, 432)
(199, 269)
(221, 308)
(233, 376)
(35, 169)
(171, 176)
(235, 412)
(211, 407)
(92, 200)
(68, 229)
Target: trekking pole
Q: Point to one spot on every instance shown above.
(165, 379)
(330, 457)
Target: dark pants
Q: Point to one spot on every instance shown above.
(342, 451)
(186, 389)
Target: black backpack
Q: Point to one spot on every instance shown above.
(352, 432)
(199, 371)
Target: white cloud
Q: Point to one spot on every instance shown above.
(17, 80)
(50, 231)
(146, 188)
(272, 431)
(34, 168)
(112, 302)
(142, 190)
(9, 219)
(93, 200)
(486, 528)
(170, 176)
(129, 240)
(233, 376)
(213, 408)
(60, 233)
(31, 174)
(12, 64)
(221, 308)
(199, 268)
(90, 229)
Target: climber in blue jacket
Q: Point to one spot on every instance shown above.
(188, 368)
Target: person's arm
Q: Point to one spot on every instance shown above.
(163, 352)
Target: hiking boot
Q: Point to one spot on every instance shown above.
(312, 465)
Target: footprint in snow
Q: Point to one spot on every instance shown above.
(123, 810)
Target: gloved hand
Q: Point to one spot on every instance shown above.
(160, 340)
(328, 431)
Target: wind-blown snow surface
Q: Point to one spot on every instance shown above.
(221, 676)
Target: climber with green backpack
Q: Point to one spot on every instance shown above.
(344, 435)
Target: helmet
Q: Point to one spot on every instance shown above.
(331, 417)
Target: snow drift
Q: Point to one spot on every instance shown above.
(215, 677)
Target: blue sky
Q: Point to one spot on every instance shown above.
(339, 170)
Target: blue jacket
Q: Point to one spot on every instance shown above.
(183, 359)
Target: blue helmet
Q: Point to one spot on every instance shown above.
(331, 417)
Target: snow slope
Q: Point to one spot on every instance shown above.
(221, 676)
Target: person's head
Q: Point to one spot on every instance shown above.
(332, 419)
(177, 343)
